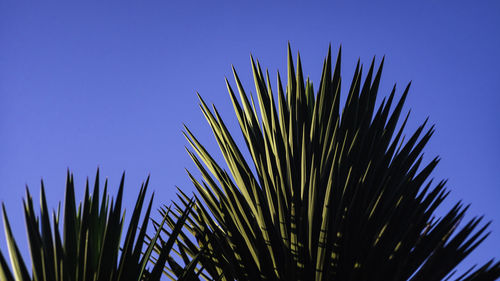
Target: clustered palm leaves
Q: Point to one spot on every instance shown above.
(89, 248)
(330, 193)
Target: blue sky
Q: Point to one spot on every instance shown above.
(110, 84)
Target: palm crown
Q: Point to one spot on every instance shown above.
(90, 248)
(335, 193)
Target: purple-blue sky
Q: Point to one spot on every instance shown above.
(110, 84)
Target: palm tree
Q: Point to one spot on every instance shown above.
(331, 193)
(89, 248)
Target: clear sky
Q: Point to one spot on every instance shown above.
(110, 84)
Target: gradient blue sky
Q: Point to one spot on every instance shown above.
(110, 84)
